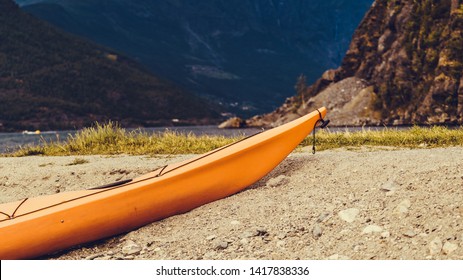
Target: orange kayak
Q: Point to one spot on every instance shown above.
(38, 226)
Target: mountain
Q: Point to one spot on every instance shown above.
(244, 54)
(404, 66)
(53, 80)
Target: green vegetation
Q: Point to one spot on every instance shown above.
(110, 138)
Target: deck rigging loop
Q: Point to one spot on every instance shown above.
(323, 124)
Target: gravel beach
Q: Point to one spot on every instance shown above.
(361, 204)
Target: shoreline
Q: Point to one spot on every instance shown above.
(336, 204)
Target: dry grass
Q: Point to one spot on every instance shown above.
(415, 137)
(110, 138)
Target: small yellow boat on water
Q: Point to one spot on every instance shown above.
(33, 227)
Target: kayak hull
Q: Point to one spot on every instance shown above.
(38, 226)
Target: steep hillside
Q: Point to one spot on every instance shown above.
(51, 80)
(406, 65)
(245, 54)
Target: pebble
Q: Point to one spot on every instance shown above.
(248, 234)
(385, 234)
(281, 236)
(389, 186)
(409, 233)
(435, 246)
(94, 256)
(104, 258)
(323, 217)
(209, 255)
(449, 247)
(131, 248)
(403, 207)
(211, 237)
(317, 231)
(220, 244)
(349, 215)
(371, 229)
(338, 257)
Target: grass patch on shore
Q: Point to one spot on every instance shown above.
(414, 137)
(110, 139)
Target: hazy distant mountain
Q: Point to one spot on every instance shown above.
(53, 80)
(247, 54)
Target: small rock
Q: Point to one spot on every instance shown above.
(349, 215)
(403, 207)
(248, 234)
(323, 217)
(371, 229)
(389, 186)
(435, 246)
(317, 231)
(385, 234)
(233, 123)
(104, 258)
(338, 257)
(211, 237)
(449, 247)
(220, 245)
(281, 236)
(131, 248)
(94, 256)
(277, 181)
(409, 233)
(118, 257)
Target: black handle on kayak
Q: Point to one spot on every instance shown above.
(324, 123)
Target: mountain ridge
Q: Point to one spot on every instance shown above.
(246, 55)
(52, 80)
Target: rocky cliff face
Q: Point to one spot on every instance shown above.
(404, 66)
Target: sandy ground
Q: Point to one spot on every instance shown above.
(338, 204)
